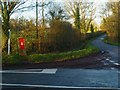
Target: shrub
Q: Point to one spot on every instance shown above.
(60, 37)
(90, 49)
(13, 59)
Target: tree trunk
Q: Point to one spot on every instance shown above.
(6, 19)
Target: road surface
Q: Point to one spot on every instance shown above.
(67, 79)
(112, 50)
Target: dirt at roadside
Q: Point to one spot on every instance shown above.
(93, 61)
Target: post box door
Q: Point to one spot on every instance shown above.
(21, 43)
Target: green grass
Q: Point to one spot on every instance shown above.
(116, 43)
(13, 59)
(90, 49)
(37, 58)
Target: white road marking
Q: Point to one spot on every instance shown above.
(62, 87)
(52, 71)
(111, 61)
(107, 59)
(30, 71)
(116, 63)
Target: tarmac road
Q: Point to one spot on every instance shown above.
(112, 50)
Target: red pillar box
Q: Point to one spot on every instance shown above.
(21, 43)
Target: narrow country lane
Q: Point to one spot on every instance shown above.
(112, 50)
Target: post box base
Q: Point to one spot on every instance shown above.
(22, 52)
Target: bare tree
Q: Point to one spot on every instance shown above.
(7, 9)
(43, 18)
(86, 13)
(56, 12)
(111, 22)
(73, 9)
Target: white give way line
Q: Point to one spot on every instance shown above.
(25, 71)
(61, 87)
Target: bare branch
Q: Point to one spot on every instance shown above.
(16, 7)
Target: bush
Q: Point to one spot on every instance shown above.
(13, 59)
(90, 49)
(60, 37)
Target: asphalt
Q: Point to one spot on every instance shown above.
(63, 78)
(112, 50)
(66, 79)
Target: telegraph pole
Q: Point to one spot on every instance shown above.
(38, 38)
(37, 34)
(9, 34)
(43, 21)
(118, 19)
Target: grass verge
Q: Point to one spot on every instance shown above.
(38, 58)
(116, 43)
(13, 59)
(90, 49)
